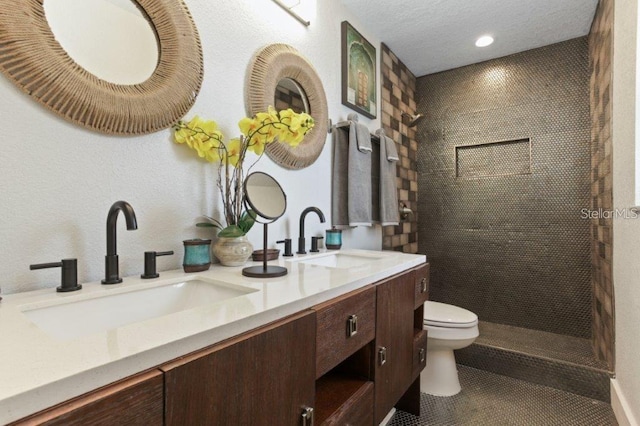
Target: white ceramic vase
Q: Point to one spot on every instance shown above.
(233, 251)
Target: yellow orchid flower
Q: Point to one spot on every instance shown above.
(208, 150)
(248, 126)
(257, 143)
(212, 155)
(286, 113)
(200, 125)
(181, 135)
(234, 149)
(271, 116)
(204, 137)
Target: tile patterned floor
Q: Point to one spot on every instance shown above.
(491, 399)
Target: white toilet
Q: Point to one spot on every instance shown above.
(450, 327)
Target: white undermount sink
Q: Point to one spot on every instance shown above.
(338, 260)
(69, 320)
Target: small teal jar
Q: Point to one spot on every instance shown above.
(197, 255)
(333, 239)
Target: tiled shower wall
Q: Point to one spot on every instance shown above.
(398, 96)
(501, 223)
(600, 55)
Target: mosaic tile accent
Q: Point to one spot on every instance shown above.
(600, 57)
(513, 249)
(398, 96)
(490, 399)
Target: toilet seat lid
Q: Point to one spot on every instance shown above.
(444, 315)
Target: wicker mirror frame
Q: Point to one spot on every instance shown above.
(33, 60)
(270, 65)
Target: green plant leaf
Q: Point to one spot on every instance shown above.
(231, 231)
(206, 225)
(208, 222)
(247, 219)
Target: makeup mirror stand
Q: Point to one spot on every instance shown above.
(265, 197)
(264, 271)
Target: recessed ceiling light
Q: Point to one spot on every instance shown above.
(484, 41)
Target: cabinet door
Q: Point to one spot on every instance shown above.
(419, 353)
(266, 377)
(394, 342)
(422, 285)
(133, 401)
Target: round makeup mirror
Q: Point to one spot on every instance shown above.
(289, 94)
(264, 195)
(112, 39)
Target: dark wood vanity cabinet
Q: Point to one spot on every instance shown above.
(265, 377)
(349, 360)
(136, 400)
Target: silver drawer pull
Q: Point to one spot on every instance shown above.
(382, 356)
(352, 325)
(422, 355)
(423, 285)
(307, 416)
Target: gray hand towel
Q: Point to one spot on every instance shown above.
(339, 182)
(361, 136)
(389, 207)
(359, 174)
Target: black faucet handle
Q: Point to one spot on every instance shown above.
(150, 270)
(69, 279)
(314, 244)
(287, 246)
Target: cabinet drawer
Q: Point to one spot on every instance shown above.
(419, 352)
(421, 285)
(344, 325)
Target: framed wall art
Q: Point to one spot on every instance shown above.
(359, 86)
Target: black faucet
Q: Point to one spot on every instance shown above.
(111, 273)
(301, 242)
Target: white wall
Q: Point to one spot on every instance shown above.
(58, 180)
(626, 232)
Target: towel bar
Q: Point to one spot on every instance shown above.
(347, 123)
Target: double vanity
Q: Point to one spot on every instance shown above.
(338, 338)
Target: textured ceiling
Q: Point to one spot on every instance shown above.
(437, 35)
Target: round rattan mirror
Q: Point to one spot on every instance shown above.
(32, 58)
(267, 69)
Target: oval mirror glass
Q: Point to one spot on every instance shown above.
(265, 195)
(289, 94)
(111, 39)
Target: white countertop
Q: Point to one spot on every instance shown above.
(37, 371)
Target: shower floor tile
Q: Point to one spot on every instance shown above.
(539, 343)
(492, 399)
